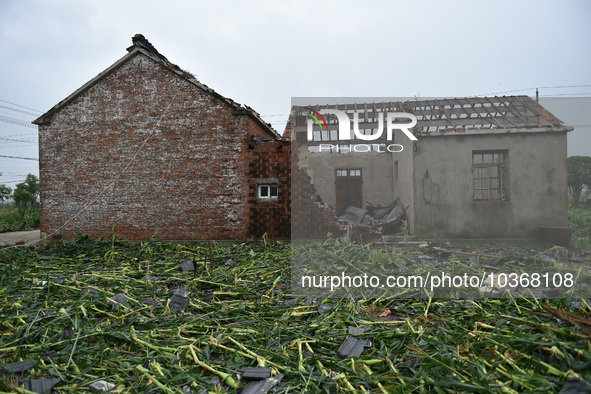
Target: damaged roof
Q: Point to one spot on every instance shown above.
(143, 46)
(440, 116)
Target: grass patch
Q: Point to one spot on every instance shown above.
(128, 314)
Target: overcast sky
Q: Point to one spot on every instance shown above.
(261, 53)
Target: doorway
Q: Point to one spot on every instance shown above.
(348, 189)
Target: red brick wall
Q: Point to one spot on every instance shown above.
(146, 153)
(270, 160)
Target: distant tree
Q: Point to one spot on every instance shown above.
(30, 185)
(23, 201)
(5, 193)
(25, 194)
(579, 176)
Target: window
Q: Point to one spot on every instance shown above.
(348, 173)
(267, 189)
(489, 171)
(268, 192)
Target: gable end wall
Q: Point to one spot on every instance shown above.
(146, 153)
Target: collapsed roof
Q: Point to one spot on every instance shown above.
(435, 116)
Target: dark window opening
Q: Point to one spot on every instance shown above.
(268, 192)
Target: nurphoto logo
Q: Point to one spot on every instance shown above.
(344, 130)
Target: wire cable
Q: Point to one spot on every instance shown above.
(18, 157)
(19, 111)
(17, 122)
(22, 106)
(112, 183)
(536, 87)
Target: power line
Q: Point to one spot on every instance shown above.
(12, 147)
(18, 140)
(564, 87)
(11, 174)
(17, 122)
(19, 135)
(18, 157)
(566, 94)
(19, 111)
(22, 106)
(536, 87)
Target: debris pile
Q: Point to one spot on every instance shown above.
(377, 219)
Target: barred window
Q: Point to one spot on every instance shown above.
(489, 172)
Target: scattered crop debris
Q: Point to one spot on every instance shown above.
(136, 317)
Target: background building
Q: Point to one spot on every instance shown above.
(481, 167)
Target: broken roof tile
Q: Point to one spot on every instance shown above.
(41, 385)
(259, 386)
(19, 367)
(257, 373)
(351, 347)
(178, 303)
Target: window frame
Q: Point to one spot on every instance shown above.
(267, 189)
(490, 175)
(348, 173)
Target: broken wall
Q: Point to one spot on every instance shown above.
(376, 174)
(311, 217)
(403, 176)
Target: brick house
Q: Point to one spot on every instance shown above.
(145, 150)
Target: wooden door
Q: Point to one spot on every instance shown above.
(348, 190)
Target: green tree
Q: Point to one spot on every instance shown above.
(579, 176)
(30, 185)
(23, 201)
(25, 194)
(5, 193)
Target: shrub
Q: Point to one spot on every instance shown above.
(12, 220)
(580, 221)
